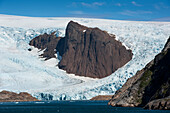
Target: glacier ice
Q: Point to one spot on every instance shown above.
(23, 70)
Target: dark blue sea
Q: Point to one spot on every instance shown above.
(69, 107)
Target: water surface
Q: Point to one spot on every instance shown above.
(69, 107)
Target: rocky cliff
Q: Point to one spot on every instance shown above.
(150, 87)
(85, 51)
(6, 96)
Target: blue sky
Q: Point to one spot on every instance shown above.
(158, 10)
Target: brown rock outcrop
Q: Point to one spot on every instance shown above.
(102, 97)
(85, 51)
(6, 96)
(48, 42)
(91, 52)
(149, 86)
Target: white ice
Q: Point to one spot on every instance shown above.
(23, 70)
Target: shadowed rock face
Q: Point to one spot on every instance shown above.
(150, 85)
(6, 96)
(85, 51)
(162, 104)
(91, 52)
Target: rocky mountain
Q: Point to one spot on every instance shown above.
(150, 87)
(47, 42)
(6, 96)
(85, 51)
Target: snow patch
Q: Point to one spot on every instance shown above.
(52, 62)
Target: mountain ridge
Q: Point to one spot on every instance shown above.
(85, 51)
(150, 87)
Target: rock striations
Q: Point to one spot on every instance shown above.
(6, 96)
(85, 51)
(150, 87)
(91, 52)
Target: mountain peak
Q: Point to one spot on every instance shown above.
(85, 51)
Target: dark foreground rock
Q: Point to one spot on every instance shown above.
(150, 87)
(162, 104)
(102, 97)
(85, 51)
(6, 96)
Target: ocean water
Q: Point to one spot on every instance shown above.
(69, 107)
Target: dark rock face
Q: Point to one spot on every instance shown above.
(162, 104)
(85, 51)
(151, 84)
(91, 52)
(6, 96)
(47, 42)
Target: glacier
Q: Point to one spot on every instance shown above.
(25, 71)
